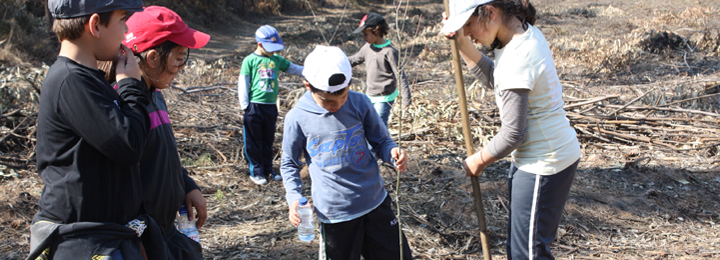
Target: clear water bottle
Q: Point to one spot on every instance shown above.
(306, 229)
(187, 227)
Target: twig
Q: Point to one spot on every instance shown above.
(688, 99)
(15, 166)
(642, 139)
(218, 152)
(633, 101)
(206, 128)
(339, 22)
(12, 132)
(668, 109)
(416, 132)
(15, 112)
(211, 167)
(315, 21)
(590, 101)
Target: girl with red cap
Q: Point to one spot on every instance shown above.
(161, 41)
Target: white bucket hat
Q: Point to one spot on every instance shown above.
(325, 62)
(460, 12)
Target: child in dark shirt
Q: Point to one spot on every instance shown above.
(162, 41)
(90, 139)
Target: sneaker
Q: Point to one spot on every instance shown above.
(276, 177)
(259, 179)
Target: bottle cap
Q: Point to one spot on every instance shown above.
(303, 201)
(183, 211)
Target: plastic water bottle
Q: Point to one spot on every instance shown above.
(186, 226)
(306, 229)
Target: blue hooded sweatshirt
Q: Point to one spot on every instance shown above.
(346, 181)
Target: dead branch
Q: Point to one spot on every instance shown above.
(591, 101)
(691, 111)
(632, 101)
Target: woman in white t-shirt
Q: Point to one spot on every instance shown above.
(535, 131)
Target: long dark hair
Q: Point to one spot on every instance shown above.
(164, 50)
(523, 10)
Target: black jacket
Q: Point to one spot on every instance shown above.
(93, 240)
(90, 139)
(165, 181)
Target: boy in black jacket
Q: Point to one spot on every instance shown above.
(90, 139)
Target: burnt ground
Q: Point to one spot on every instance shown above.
(648, 182)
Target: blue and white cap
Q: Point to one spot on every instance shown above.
(270, 39)
(460, 12)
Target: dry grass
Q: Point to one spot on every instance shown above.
(664, 207)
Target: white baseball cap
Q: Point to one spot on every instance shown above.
(460, 12)
(327, 68)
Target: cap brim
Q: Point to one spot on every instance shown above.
(273, 47)
(455, 22)
(359, 29)
(191, 38)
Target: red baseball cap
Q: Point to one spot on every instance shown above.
(157, 24)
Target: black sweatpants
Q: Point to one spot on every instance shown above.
(374, 236)
(258, 137)
(536, 206)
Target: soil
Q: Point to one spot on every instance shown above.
(632, 198)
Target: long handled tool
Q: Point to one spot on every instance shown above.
(479, 209)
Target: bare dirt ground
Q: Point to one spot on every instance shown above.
(640, 82)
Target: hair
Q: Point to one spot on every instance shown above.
(380, 29)
(523, 10)
(164, 50)
(72, 28)
(334, 80)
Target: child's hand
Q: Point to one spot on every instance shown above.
(293, 214)
(194, 199)
(400, 158)
(127, 67)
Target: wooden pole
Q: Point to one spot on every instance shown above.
(479, 208)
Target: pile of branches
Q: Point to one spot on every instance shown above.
(19, 95)
(648, 121)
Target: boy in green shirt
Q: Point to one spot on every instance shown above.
(257, 91)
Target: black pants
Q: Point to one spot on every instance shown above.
(258, 137)
(536, 206)
(374, 236)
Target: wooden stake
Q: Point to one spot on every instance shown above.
(479, 208)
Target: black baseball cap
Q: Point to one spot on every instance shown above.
(370, 19)
(63, 9)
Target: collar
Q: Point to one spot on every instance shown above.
(380, 46)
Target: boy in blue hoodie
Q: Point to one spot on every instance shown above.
(331, 127)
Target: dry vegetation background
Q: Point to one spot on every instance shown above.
(641, 89)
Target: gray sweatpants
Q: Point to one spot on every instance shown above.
(536, 206)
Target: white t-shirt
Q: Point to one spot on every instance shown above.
(550, 144)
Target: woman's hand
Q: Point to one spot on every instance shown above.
(400, 158)
(474, 165)
(450, 35)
